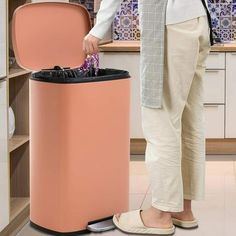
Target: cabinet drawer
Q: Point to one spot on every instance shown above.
(214, 86)
(214, 121)
(216, 60)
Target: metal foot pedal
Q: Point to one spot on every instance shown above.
(101, 225)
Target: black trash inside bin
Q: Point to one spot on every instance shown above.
(67, 75)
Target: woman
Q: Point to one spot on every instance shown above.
(175, 152)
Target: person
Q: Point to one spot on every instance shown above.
(175, 151)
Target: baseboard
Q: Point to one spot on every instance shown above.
(213, 146)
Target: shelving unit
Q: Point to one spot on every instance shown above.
(17, 205)
(16, 72)
(17, 94)
(17, 141)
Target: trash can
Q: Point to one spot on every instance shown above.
(79, 127)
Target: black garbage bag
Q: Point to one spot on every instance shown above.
(68, 75)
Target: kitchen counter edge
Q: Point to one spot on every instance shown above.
(134, 46)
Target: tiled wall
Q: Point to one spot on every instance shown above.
(223, 14)
(125, 25)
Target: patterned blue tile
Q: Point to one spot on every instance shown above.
(125, 25)
(223, 14)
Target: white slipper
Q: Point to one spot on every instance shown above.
(131, 222)
(185, 224)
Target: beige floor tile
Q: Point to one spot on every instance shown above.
(235, 168)
(210, 213)
(194, 232)
(138, 168)
(230, 213)
(214, 184)
(138, 184)
(135, 201)
(216, 214)
(218, 168)
(109, 233)
(230, 184)
(29, 231)
(147, 201)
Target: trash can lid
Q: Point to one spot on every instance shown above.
(46, 34)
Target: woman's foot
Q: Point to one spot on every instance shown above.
(187, 214)
(155, 218)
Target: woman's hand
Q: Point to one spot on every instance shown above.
(90, 44)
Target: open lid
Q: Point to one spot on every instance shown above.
(46, 34)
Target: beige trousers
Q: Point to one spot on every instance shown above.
(175, 152)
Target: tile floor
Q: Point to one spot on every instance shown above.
(217, 214)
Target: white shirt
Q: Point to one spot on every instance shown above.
(181, 10)
(177, 11)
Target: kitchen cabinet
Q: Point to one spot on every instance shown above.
(128, 61)
(216, 60)
(230, 112)
(214, 120)
(219, 91)
(214, 82)
(214, 86)
(214, 95)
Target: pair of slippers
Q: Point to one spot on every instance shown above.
(131, 222)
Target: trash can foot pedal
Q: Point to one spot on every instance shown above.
(101, 225)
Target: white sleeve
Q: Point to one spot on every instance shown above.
(105, 17)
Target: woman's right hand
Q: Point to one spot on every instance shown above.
(90, 44)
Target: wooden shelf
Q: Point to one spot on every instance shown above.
(18, 204)
(17, 141)
(15, 72)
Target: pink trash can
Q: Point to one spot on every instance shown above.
(79, 128)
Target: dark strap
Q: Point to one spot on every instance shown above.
(209, 21)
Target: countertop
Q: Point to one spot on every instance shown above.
(134, 46)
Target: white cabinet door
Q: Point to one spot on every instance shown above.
(214, 121)
(128, 61)
(214, 86)
(216, 60)
(230, 131)
(4, 167)
(3, 49)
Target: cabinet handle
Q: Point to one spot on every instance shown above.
(233, 53)
(211, 105)
(212, 71)
(215, 53)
